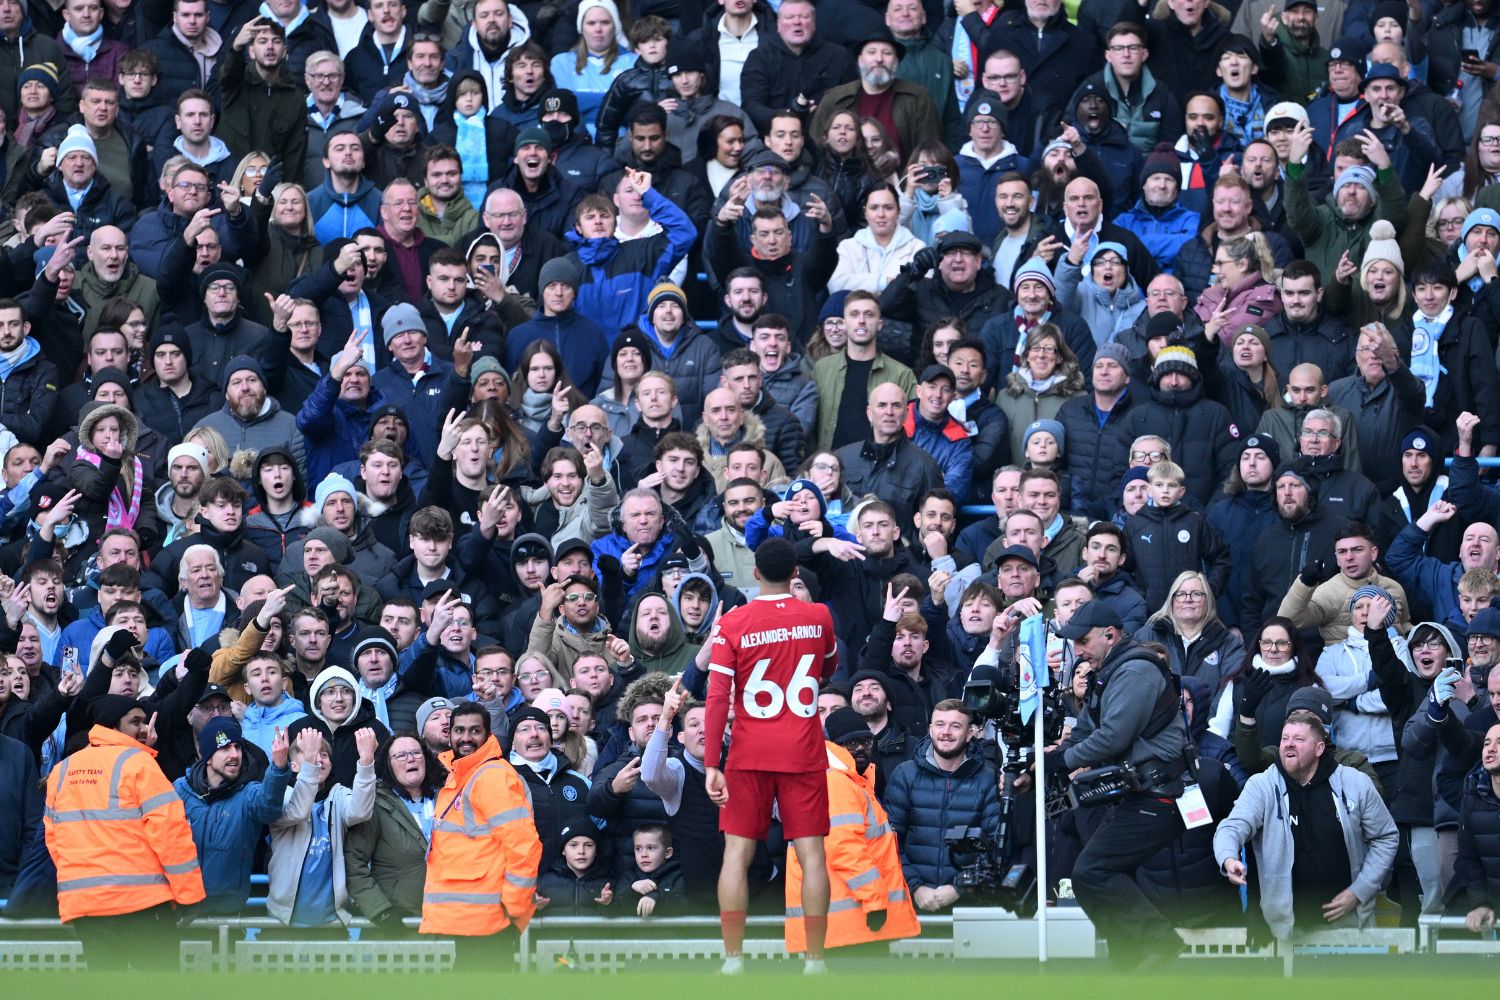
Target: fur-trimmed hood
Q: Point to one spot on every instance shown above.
(1069, 384)
(754, 431)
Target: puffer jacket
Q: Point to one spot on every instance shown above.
(1280, 552)
(1252, 300)
(227, 822)
(898, 473)
(1326, 342)
(948, 444)
(1096, 456)
(617, 277)
(28, 395)
(1163, 231)
(559, 798)
(924, 802)
(333, 427)
(641, 82)
(623, 813)
(1204, 440)
(1240, 520)
(693, 362)
(1477, 870)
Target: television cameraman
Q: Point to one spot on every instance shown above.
(1131, 716)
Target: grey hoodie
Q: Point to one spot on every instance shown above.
(1260, 818)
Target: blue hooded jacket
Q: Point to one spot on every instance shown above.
(226, 823)
(334, 429)
(616, 278)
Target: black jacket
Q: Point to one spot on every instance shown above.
(1166, 541)
(793, 282)
(557, 800)
(1056, 59)
(898, 473)
(624, 813)
(911, 700)
(20, 809)
(1203, 439)
(1326, 342)
(925, 802)
(668, 177)
(1477, 870)
(1281, 552)
(855, 590)
(28, 396)
(550, 207)
(922, 301)
(366, 73)
(774, 76)
(1097, 456)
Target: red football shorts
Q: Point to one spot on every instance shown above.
(801, 799)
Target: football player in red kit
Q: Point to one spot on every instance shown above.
(770, 657)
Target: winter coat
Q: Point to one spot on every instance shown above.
(1239, 520)
(132, 284)
(977, 180)
(623, 813)
(587, 518)
(830, 376)
(1253, 300)
(578, 337)
(573, 895)
(924, 802)
(1430, 580)
(1326, 606)
(617, 277)
(1363, 719)
(346, 766)
(559, 798)
(1215, 654)
(854, 590)
(911, 700)
(1164, 231)
(425, 401)
(21, 800)
(28, 395)
(1260, 819)
(774, 75)
(1150, 114)
(227, 826)
(1181, 59)
(899, 473)
(1023, 405)
(1106, 313)
(794, 282)
(1166, 541)
(947, 444)
(922, 301)
(1203, 439)
(333, 428)
(641, 82)
(1195, 262)
(338, 215)
(1057, 57)
(158, 249)
(215, 345)
(1325, 234)
(256, 113)
(271, 426)
(1096, 457)
(385, 859)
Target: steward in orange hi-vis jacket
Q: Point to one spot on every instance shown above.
(117, 831)
(482, 866)
(864, 865)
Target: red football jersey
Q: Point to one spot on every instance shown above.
(770, 656)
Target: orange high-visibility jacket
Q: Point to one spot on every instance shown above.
(117, 831)
(482, 866)
(864, 865)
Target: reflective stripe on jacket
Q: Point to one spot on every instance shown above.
(864, 865)
(482, 867)
(117, 831)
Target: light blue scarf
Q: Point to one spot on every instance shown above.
(1424, 362)
(85, 47)
(473, 154)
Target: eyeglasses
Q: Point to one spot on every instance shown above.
(1002, 77)
(505, 215)
(493, 673)
(1479, 638)
(407, 755)
(1489, 141)
(1189, 595)
(591, 428)
(197, 186)
(1433, 643)
(1275, 644)
(1312, 435)
(824, 467)
(306, 324)
(402, 203)
(1147, 456)
(585, 596)
(324, 77)
(1044, 349)
(137, 74)
(222, 287)
(1134, 49)
(533, 676)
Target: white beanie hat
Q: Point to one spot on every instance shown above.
(77, 141)
(187, 449)
(1382, 246)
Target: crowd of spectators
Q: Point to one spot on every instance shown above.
(401, 391)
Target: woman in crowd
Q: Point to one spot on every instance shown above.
(1096, 283)
(1049, 378)
(1247, 384)
(721, 147)
(874, 255)
(1188, 625)
(385, 859)
(287, 248)
(844, 165)
(600, 54)
(1244, 289)
(929, 192)
(939, 340)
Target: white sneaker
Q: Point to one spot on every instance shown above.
(814, 967)
(733, 966)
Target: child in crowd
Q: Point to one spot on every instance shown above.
(656, 878)
(1166, 538)
(577, 884)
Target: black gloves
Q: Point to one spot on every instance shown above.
(120, 645)
(197, 661)
(1312, 573)
(874, 920)
(275, 171)
(335, 616)
(922, 261)
(689, 546)
(1249, 691)
(386, 118)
